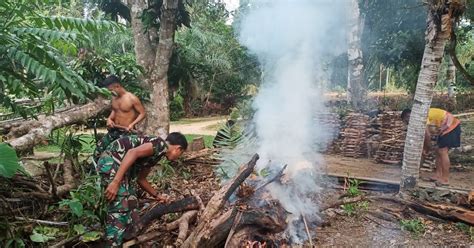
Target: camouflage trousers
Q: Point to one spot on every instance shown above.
(112, 135)
(123, 210)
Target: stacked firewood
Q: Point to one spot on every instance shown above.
(392, 138)
(354, 135)
(331, 124)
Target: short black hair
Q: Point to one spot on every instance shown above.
(112, 79)
(405, 112)
(177, 138)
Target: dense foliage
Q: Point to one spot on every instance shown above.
(36, 51)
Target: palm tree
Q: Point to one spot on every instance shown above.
(441, 16)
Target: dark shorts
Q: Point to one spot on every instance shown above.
(451, 139)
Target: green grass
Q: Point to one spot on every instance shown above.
(207, 139)
(88, 145)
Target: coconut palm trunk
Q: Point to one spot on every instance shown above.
(437, 34)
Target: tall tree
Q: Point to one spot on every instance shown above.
(356, 91)
(154, 41)
(441, 16)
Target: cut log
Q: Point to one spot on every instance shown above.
(444, 211)
(186, 204)
(197, 144)
(38, 131)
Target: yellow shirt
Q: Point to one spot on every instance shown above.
(442, 119)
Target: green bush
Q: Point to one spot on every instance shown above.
(177, 108)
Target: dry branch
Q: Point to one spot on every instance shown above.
(182, 223)
(69, 179)
(44, 222)
(186, 204)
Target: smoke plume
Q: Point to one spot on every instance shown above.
(293, 40)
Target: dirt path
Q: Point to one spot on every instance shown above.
(201, 126)
(205, 126)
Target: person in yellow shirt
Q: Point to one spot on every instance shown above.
(447, 129)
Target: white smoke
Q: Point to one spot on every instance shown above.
(293, 40)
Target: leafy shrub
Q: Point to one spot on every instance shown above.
(177, 108)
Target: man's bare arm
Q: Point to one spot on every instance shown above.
(137, 105)
(111, 119)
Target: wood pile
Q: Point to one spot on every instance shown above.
(354, 135)
(204, 156)
(253, 216)
(392, 138)
(331, 123)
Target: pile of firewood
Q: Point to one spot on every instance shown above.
(392, 138)
(354, 135)
(330, 122)
(252, 216)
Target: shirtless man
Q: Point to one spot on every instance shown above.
(127, 111)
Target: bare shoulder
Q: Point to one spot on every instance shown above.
(132, 97)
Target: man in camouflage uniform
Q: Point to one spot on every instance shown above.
(127, 159)
(111, 135)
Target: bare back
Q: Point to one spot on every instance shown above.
(125, 109)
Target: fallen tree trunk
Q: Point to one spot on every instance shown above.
(19, 126)
(40, 130)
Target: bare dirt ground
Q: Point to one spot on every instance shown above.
(362, 229)
(461, 178)
(204, 126)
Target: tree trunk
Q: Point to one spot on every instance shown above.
(436, 38)
(355, 89)
(156, 62)
(42, 128)
(144, 51)
(451, 78)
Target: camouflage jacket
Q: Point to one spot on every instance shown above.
(117, 150)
